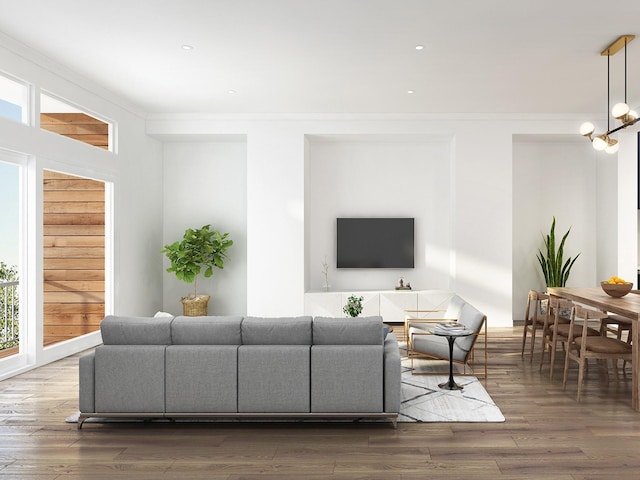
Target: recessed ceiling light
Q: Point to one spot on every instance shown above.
(231, 92)
(187, 47)
(410, 92)
(419, 47)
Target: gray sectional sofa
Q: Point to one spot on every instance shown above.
(232, 366)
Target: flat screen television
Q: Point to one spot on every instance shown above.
(375, 243)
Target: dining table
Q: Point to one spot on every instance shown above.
(627, 306)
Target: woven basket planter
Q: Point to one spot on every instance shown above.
(195, 306)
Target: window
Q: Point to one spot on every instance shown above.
(64, 119)
(14, 97)
(9, 259)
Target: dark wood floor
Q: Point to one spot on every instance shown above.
(547, 435)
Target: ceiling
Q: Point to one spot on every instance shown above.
(340, 56)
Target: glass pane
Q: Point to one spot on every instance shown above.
(9, 252)
(13, 100)
(59, 117)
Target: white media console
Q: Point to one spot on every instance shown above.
(390, 304)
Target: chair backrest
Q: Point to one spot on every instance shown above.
(474, 319)
(558, 307)
(583, 315)
(455, 307)
(534, 300)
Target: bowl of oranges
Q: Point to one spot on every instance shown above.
(616, 287)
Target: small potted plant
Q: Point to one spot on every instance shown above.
(353, 308)
(198, 249)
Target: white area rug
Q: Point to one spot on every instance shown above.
(423, 401)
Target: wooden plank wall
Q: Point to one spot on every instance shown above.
(78, 126)
(74, 223)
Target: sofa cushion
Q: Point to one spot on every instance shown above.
(118, 330)
(201, 378)
(274, 378)
(208, 330)
(347, 378)
(276, 331)
(130, 378)
(347, 331)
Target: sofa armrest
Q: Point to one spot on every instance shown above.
(392, 375)
(87, 386)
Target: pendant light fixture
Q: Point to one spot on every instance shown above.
(620, 111)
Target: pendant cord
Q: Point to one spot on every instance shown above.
(625, 70)
(608, 90)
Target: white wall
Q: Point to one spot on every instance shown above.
(206, 183)
(553, 178)
(372, 177)
(607, 184)
(482, 228)
(275, 221)
(285, 177)
(627, 188)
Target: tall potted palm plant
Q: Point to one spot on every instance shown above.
(198, 249)
(554, 268)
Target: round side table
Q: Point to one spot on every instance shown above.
(451, 337)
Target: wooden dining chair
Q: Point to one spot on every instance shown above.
(617, 325)
(585, 346)
(534, 316)
(556, 329)
(550, 320)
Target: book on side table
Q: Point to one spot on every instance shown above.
(450, 329)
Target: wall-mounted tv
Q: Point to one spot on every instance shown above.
(375, 243)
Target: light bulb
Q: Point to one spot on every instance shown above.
(600, 142)
(619, 110)
(587, 128)
(613, 146)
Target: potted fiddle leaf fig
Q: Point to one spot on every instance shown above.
(554, 268)
(199, 249)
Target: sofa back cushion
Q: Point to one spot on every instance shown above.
(347, 331)
(276, 331)
(209, 330)
(118, 330)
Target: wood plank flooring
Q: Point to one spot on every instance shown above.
(547, 435)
